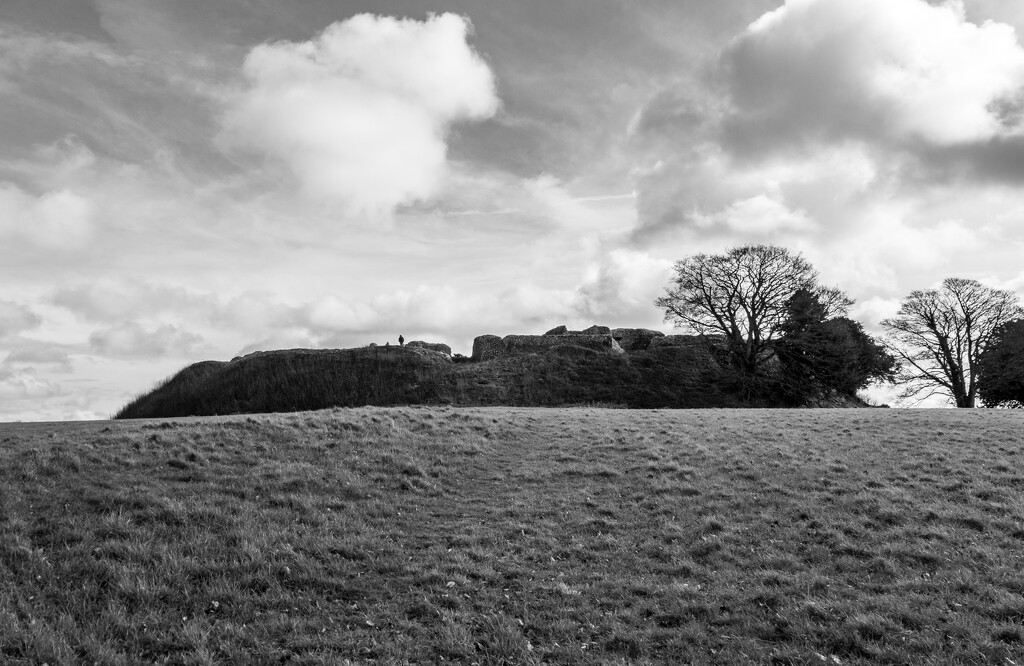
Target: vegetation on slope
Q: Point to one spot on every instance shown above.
(510, 536)
(300, 379)
(306, 379)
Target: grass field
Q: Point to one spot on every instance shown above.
(516, 536)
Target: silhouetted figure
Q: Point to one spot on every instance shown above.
(401, 341)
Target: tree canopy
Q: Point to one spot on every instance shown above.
(940, 334)
(1001, 367)
(821, 356)
(742, 296)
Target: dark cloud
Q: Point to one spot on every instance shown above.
(999, 161)
(683, 115)
(61, 17)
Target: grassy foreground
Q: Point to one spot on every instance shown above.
(516, 536)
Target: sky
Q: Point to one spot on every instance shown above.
(183, 180)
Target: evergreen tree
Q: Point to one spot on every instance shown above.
(819, 356)
(1001, 367)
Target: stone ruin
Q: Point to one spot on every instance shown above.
(636, 339)
(487, 347)
(629, 339)
(602, 338)
(593, 330)
(432, 346)
(688, 341)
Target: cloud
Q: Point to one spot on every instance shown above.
(1010, 13)
(108, 300)
(112, 302)
(32, 354)
(132, 341)
(870, 312)
(714, 195)
(21, 384)
(620, 290)
(425, 309)
(292, 338)
(404, 308)
(441, 313)
(360, 113)
(760, 215)
(53, 166)
(20, 49)
(60, 220)
(880, 138)
(15, 318)
(128, 105)
(900, 71)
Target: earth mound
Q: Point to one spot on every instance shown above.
(635, 368)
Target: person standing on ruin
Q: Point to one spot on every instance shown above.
(401, 341)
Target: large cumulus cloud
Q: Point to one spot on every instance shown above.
(360, 114)
(882, 138)
(893, 70)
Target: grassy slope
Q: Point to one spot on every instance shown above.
(504, 535)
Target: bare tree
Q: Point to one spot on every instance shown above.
(742, 295)
(939, 334)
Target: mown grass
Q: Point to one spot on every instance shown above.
(516, 536)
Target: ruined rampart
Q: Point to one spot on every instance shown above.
(635, 339)
(687, 341)
(539, 343)
(432, 346)
(487, 347)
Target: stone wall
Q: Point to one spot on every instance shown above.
(635, 339)
(534, 343)
(487, 347)
(687, 341)
(593, 330)
(432, 346)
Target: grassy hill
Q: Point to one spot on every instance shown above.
(516, 536)
(308, 379)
